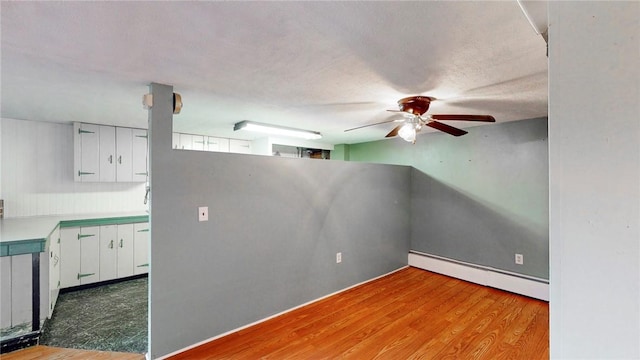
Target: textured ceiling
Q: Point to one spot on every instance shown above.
(324, 66)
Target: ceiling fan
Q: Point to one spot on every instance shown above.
(413, 109)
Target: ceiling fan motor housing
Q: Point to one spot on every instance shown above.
(416, 105)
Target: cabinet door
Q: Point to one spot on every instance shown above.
(108, 259)
(239, 146)
(198, 142)
(141, 248)
(87, 156)
(217, 144)
(124, 149)
(175, 140)
(186, 142)
(125, 250)
(139, 155)
(69, 257)
(107, 151)
(89, 255)
(54, 269)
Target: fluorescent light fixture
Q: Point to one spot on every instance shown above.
(276, 130)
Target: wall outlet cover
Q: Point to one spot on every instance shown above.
(519, 259)
(338, 258)
(203, 213)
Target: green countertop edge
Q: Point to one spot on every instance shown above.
(104, 221)
(20, 247)
(29, 246)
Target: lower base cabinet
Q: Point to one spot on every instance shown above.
(101, 253)
(141, 248)
(79, 256)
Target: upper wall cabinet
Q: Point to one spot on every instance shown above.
(107, 153)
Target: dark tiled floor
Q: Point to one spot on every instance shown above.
(108, 317)
(16, 331)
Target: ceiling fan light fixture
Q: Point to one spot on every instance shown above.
(408, 132)
(276, 130)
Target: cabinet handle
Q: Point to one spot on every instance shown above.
(143, 230)
(111, 244)
(120, 159)
(80, 173)
(80, 236)
(120, 242)
(110, 159)
(143, 265)
(80, 276)
(56, 259)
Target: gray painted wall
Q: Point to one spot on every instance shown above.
(480, 198)
(275, 225)
(594, 166)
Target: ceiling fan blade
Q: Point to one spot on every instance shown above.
(378, 123)
(394, 132)
(484, 118)
(446, 128)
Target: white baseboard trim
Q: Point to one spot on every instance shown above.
(523, 285)
(273, 316)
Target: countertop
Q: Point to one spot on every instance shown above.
(28, 234)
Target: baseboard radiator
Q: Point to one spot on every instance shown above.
(517, 283)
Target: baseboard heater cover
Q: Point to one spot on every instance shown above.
(516, 283)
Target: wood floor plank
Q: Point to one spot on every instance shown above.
(410, 314)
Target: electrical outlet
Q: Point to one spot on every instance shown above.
(519, 259)
(203, 213)
(338, 258)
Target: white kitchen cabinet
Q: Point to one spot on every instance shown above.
(79, 256)
(116, 251)
(139, 155)
(198, 142)
(107, 153)
(69, 257)
(186, 142)
(124, 154)
(175, 140)
(102, 253)
(239, 146)
(108, 252)
(124, 246)
(131, 148)
(190, 142)
(54, 269)
(141, 248)
(86, 152)
(89, 255)
(217, 144)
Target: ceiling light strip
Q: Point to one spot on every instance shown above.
(276, 130)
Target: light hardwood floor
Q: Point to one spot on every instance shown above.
(411, 314)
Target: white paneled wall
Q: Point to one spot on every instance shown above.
(37, 175)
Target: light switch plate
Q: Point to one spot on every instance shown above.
(203, 213)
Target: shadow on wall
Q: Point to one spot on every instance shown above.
(448, 223)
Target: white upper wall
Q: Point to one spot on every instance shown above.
(594, 171)
(37, 175)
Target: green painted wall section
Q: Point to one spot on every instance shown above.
(479, 198)
(388, 151)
